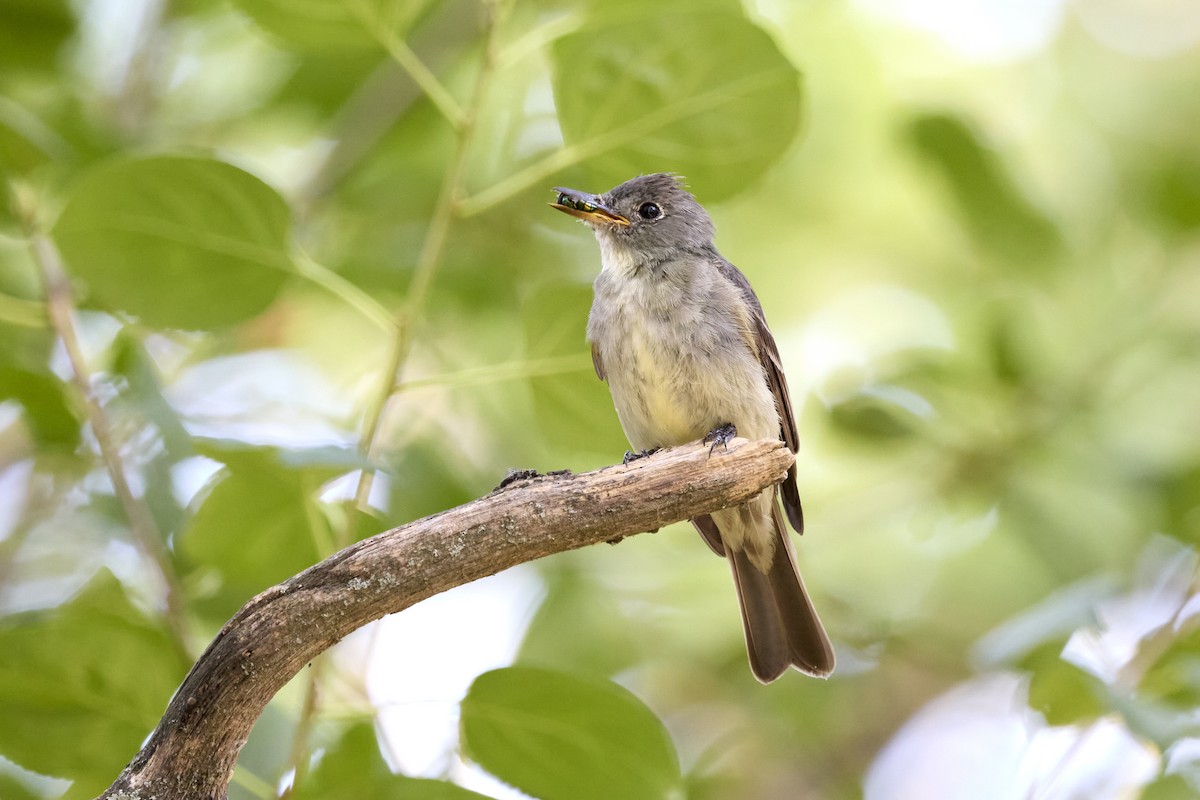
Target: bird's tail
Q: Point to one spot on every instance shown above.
(781, 625)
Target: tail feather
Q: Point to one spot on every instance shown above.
(782, 628)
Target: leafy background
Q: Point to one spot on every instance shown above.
(975, 228)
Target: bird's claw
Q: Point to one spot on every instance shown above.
(632, 456)
(515, 475)
(721, 435)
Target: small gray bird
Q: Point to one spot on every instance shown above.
(681, 339)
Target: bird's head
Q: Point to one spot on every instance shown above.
(649, 217)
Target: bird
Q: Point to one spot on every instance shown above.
(680, 337)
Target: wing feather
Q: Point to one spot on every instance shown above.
(597, 362)
(768, 355)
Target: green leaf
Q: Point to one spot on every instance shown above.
(574, 409)
(354, 769)
(1181, 492)
(697, 91)
(1051, 620)
(559, 737)
(268, 749)
(25, 348)
(256, 524)
(12, 789)
(139, 394)
(427, 789)
(1173, 194)
(48, 412)
(1062, 692)
(142, 390)
(424, 479)
(1170, 787)
(25, 144)
(179, 242)
(995, 212)
(1175, 676)
(82, 685)
(880, 413)
(31, 33)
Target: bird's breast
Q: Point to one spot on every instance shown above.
(678, 371)
(652, 392)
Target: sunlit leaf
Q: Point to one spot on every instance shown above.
(82, 684)
(702, 92)
(179, 242)
(559, 737)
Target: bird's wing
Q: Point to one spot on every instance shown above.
(711, 534)
(768, 356)
(597, 362)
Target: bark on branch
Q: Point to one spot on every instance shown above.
(192, 752)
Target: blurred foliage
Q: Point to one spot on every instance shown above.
(982, 271)
(355, 769)
(102, 703)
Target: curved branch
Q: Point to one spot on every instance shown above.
(192, 752)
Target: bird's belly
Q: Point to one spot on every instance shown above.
(667, 393)
(665, 417)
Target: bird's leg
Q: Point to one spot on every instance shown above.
(632, 456)
(720, 435)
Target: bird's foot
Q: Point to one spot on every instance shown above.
(632, 456)
(516, 475)
(720, 435)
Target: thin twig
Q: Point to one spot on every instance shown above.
(411, 63)
(408, 316)
(541, 36)
(504, 371)
(61, 311)
(299, 756)
(637, 128)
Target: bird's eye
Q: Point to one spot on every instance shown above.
(649, 211)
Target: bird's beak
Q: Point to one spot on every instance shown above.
(587, 207)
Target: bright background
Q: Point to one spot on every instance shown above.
(974, 227)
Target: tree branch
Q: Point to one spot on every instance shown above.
(192, 752)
